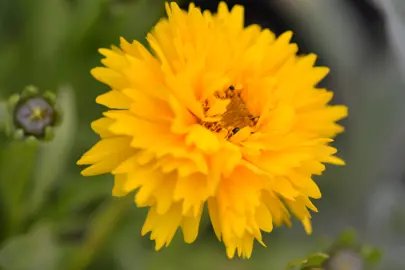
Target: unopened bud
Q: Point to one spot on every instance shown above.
(32, 115)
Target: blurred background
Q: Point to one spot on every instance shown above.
(51, 218)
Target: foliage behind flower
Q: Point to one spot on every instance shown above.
(218, 114)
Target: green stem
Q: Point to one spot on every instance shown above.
(17, 165)
(103, 223)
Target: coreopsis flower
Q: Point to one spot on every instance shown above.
(214, 114)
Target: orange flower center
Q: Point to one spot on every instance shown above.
(233, 117)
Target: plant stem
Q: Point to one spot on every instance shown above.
(103, 223)
(17, 165)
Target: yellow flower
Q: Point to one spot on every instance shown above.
(217, 114)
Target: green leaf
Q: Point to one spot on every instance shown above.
(17, 163)
(138, 17)
(314, 260)
(35, 250)
(72, 198)
(126, 251)
(294, 264)
(317, 259)
(102, 224)
(86, 14)
(9, 55)
(46, 26)
(371, 255)
(348, 238)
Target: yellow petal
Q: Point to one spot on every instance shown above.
(192, 190)
(189, 226)
(119, 182)
(307, 226)
(162, 227)
(113, 59)
(101, 127)
(114, 99)
(110, 77)
(106, 155)
(264, 218)
(215, 218)
(203, 139)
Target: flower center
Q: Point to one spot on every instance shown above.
(34, 115)
(226, 113)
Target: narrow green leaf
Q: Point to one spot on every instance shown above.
(46, 27)
(347, 238)
(138, 17)
(72, 199)
(317, 259)
(100, 227)
(314, 260)
(17, 163)
(294, 264)
(35, 250)
(86, 14)
(371, 255)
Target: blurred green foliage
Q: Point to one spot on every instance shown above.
(51, 218)
(343, 253)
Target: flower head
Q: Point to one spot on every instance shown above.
(219, 115)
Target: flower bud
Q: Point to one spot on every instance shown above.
(32, 115)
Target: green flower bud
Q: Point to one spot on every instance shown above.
(32, 115)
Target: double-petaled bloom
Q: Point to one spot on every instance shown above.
(215, 115)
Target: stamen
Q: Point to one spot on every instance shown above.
(235, 130)
(235, 117)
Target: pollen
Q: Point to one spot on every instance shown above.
(233, 114)
(37, 113)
